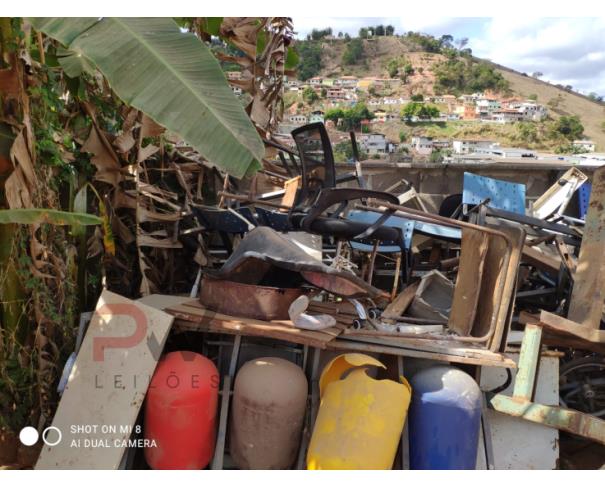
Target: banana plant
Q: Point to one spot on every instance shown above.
(170, 75)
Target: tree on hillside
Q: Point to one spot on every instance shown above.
(446, 40)
(334, 114)
(347, 37)
(569, 127)
(419, 110)
(417, 97)
(310, 60)
(379, 30)
(309, 95)
(353, 53)
(393, 68)
(537, 74)
(389, 30)
(363, 33)
(533, 97)
(462, 42)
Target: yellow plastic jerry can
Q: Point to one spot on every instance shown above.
(360, 419)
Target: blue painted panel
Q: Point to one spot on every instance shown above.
(407, 227)
(584, 198)
(503, 195)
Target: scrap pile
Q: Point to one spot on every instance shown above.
(357, 279)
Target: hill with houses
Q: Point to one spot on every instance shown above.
(419, 92)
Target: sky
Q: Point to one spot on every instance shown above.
(569, 51)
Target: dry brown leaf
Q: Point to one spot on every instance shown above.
(123, 143)
(104, 159)
(21, 158)
(146, 152)
(16, 190)
(149, 127)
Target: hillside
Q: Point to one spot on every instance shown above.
(379, 51)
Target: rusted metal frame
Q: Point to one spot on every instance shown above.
(520, 404)
(219, 451)
(428, 218)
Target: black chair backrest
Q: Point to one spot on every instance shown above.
(315, 152)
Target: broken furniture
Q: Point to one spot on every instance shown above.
(181, 412)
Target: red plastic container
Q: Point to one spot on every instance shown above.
(180, 412)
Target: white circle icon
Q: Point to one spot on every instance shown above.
(28, 436)
(45, 436)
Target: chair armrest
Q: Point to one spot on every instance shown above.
(332, 196)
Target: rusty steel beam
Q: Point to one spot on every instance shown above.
(575, 422)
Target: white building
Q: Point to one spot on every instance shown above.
(468, 146)
(298, 119)
(422, 145)
(375, 144)
(316, 116)
(317, 80)
(587, 145)
(533, 111)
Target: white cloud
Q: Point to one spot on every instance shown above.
(568, 51)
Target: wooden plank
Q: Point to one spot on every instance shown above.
(163, 301)
(290, 188)
(398, 306)
(493, 273)
(468, 283)
(202, 320)
(107, 384)
(588, 294)
(493, 359)
(541, 260)
(510, 276)
(565, 329)
(435, 346)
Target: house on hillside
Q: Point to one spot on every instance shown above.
(507, 116)
(380, 116)
(469, 146)
(316, 116)
(316, 81)
(533, 111)
(236, 89)
(486, 105)
(587, 145)
(296, 119)
(422, 145)
(375, 144)
(348, 81)
(335, 94)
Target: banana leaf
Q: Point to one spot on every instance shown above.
(27, 216)
(171, 76)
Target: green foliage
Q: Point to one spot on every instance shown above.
(569, 127)
(533, 97)
(188, 81)
(349, 118)
(334, 114)
(353, 52)
(343, 152)
(310, 60)
(363, 33)
(420, 110)
(463, 76)
(417, 97)
(403, 136)
(570, 149)
(318, 34)
(424, 42)
(30, 216)
(393, 68)
(603, 126)
(309, 95)
(527, 131)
